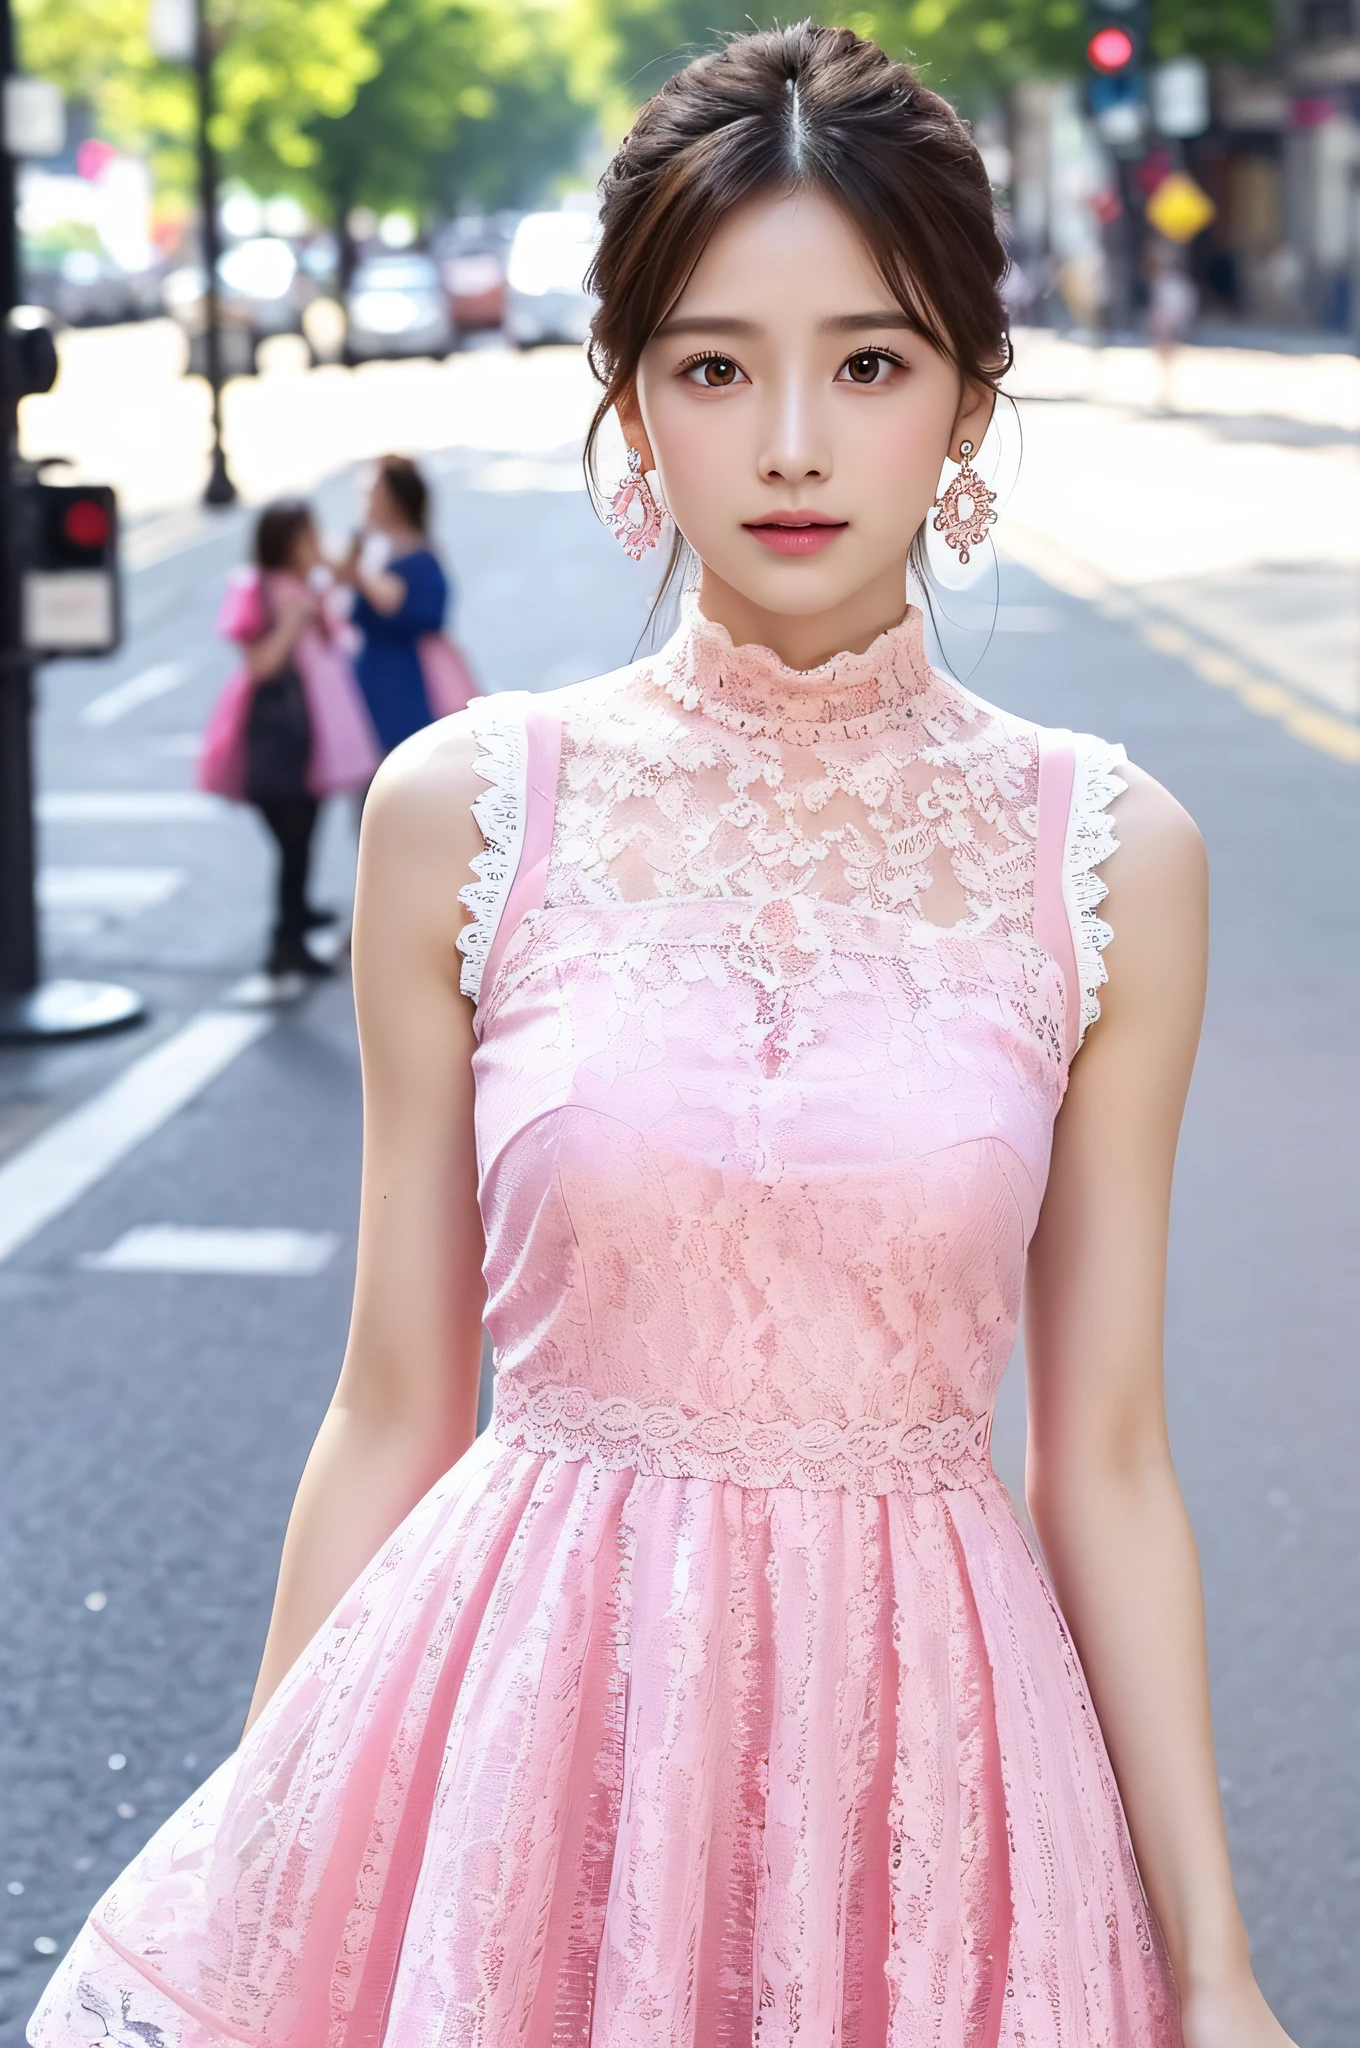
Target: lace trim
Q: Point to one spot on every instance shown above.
(1090, 840)
(670, 1442)
(502, 761)
(749, 690)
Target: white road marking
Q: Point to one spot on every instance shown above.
(124, 697)
(130, 807)
(63, 1162)
(182, 1248)
(261, 991)
(113, 892)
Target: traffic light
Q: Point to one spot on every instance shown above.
(1116, 49)
(69, 590)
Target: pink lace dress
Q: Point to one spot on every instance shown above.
(714, 1698)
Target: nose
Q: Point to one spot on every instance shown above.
(795, 447)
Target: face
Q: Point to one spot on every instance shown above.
(380, 510)
(799, 424)
(306, 552)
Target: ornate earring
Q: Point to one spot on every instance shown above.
(965, 530)
(634, 517)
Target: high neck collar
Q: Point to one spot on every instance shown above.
(750, 690)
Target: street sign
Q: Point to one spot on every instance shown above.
(1180, 97)
(69, 597)
(34, 115)
(1179, 208)
(174, 30)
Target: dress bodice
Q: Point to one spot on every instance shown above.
(779, 975)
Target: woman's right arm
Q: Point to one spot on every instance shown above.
(406, 1404)
(267, 655)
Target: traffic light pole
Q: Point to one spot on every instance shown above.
(221, 490)
(30, 1010)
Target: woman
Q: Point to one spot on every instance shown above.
(398, 605)
(290, 727)
(713, 1695)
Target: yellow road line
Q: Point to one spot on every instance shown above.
(1313, 724)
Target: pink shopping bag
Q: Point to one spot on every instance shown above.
(221, 767)
(449, 682)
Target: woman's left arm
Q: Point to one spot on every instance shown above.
(1100, 1482)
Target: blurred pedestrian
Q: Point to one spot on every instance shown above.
(409, 673)
(290, 727)
(1173, 303)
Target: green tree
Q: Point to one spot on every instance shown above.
(972, 50)
(469, 98)
(280, 64)
(976, 50)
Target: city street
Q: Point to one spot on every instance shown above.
(1183, 583)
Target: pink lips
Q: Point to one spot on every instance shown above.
(796, 533)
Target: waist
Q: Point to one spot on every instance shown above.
(822, 1455)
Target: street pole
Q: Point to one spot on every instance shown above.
(221, 490)
(31, 1010)
(18, 914)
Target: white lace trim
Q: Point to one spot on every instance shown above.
(671, 1442)
(1090, 840)
(502, 761)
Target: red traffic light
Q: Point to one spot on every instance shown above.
(1110, 49)
(86, 524)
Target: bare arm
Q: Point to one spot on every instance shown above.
(1100, 1482)
(384, 591)
(267, 655)
(405, 1408)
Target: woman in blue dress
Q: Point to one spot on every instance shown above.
(396, 606)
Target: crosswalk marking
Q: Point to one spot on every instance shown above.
(66, 1160)
(186, 1248)
(153, 682)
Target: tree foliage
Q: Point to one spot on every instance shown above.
(971, 50)
(280, 63)
(415, 103)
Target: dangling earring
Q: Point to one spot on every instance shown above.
(961, 530)
(634, 517)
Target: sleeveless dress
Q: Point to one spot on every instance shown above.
(714, 1698)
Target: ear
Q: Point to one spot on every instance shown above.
(974, 416)
(630, 420)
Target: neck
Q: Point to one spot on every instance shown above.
(405, 540)
(806, 640)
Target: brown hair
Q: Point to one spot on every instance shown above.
(278, 530)
(407, 489)
(810, 107)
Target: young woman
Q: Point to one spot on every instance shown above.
(290, 728)
(398, 605)
(713, 1697)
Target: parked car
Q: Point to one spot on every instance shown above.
(82, 287)
(475, 282)
(545, 297)
(471, 253)
(396, 307)
(262, 290)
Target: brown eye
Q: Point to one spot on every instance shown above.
(864, 368)
(719, 371)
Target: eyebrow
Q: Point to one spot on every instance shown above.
(843, 323)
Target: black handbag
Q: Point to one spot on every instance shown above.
(278, 739)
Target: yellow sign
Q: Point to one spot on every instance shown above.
(1179, 208)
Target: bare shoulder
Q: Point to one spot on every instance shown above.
(1160, 846)
(1157, 906)
(422, 795)
(419, 834)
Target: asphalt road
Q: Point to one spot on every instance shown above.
(154, 1425)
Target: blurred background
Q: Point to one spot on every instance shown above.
(251, 246)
